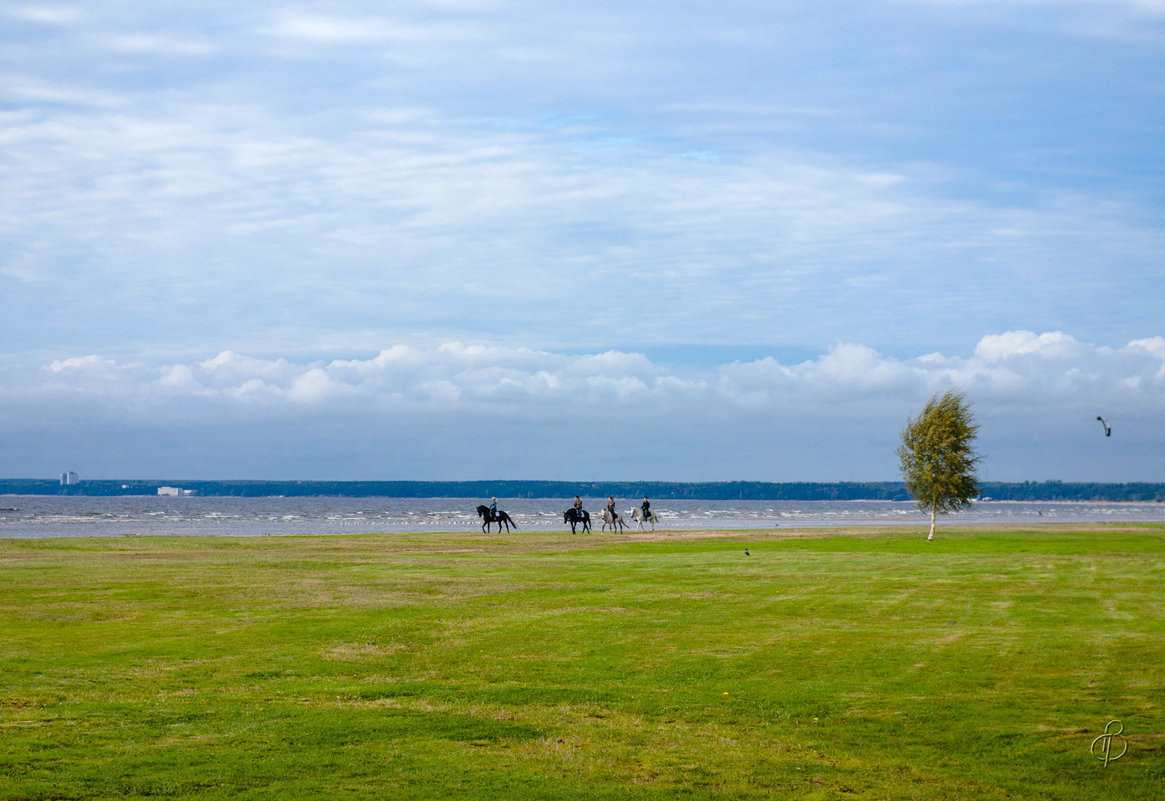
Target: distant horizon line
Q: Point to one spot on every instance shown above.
(583, 482)
(78, 480)
(70, 483)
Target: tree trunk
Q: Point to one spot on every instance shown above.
(930, 536)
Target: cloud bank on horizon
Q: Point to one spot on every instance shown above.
(476, 238)
(470, 411)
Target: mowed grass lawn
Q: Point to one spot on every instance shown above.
(828, 664)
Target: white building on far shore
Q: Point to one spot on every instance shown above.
(174, 491)
(69, 478)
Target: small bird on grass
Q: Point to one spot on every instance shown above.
(746, 553)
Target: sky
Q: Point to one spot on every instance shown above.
(467, 239)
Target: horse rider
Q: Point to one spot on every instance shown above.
(493, 508)
(646, 507)
(611, 508)
(578, 507)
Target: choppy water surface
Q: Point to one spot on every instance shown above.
(55, 516)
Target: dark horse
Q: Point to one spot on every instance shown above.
(575, 517)
(488, 518)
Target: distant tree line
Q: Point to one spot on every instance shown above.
(656, 490)
(1143, 492)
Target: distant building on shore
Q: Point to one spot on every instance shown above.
(69, 478)
(175, 491)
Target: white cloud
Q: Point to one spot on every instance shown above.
(857, 367)
(832, 417)
(180, 378)
(315, 386)
(48, 15)
(334, 30)
(998, 347)
(462, 377)
(91, 364)
(228, 369)
(1153, 345)
(356, 30)
(23, 89)
(1146, 6)
(160, 44)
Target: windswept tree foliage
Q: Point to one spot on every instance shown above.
(938, 457)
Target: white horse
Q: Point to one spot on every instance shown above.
(637, 515)
(612, 518)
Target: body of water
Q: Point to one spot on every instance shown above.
(73, 516)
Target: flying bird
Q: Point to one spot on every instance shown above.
(1107, 430)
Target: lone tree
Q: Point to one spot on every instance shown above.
(938, 457)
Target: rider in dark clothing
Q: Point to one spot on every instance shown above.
(646, 507)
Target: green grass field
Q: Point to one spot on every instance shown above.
(864, 665)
